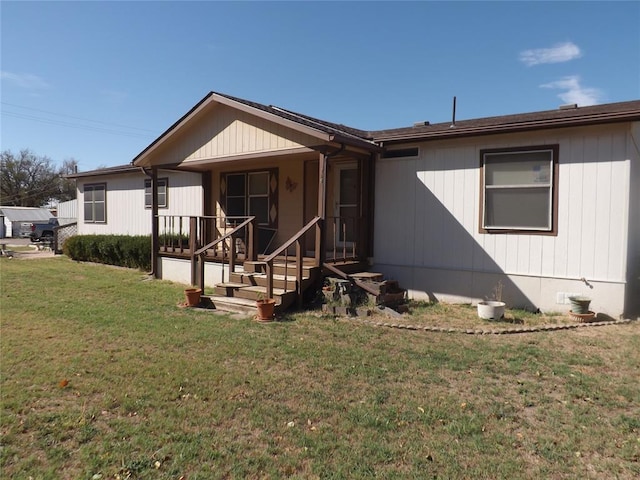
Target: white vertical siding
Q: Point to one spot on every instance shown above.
(427, 209)
(126, 213)
(438, 197)
(67, 212)
(633, 215)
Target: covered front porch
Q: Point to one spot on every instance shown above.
(283, 197)
(272, 226)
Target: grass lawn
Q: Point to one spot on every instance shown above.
(103, 377)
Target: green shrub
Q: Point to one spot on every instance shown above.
(174, 240)
(122, 250)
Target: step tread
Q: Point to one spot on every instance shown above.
(367, 275)
(231, 300)
(259, 289)
(264, 275)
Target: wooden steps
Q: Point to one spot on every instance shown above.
(250, 284)
(229, 304)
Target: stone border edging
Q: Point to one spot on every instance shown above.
(506, 331)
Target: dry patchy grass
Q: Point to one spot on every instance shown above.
(461, 316)
(160, 392)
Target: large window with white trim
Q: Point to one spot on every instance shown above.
(95, 203)
(519, 190)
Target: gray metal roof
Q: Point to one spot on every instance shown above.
(26, 214)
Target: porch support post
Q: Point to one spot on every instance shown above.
(252, 247)
(365, 171)
(207, 208)
(155, 241)
(322, 208)
(369, 201)
(193, 246)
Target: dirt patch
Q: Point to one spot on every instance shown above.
(35, 254)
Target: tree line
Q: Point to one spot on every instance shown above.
(29, 180)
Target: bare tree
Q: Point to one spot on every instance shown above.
(67, 186)
(28, 180)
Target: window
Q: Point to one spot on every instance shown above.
(163, 185)
(95, 203)
(251, 194)
(401, 152)
(519, 191)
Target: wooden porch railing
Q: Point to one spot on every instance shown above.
(196, 237)
(197, 257)
(176, 232)
(298, 240)
(344, 237)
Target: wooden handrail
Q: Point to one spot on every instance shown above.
(293, 239)
(269, 260)
(225, 236)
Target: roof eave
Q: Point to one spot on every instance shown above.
(214, 97)
(461, 131)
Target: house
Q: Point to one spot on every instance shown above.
(16, 221)
(117, 200)
(67, 212)
(542, 205)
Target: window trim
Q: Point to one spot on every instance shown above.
(271, 195)
(93, 186)
(553, 231)
(166, 193)
(401, 152)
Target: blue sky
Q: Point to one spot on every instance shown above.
(99, 81)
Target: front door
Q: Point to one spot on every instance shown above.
(345, 203)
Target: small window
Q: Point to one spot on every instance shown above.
(163, 186)
(401, 152)
(518, 190)
(95, 203)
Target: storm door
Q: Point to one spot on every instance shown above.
(345, 203)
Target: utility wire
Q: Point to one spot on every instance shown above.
(74, 125)
(80, 118)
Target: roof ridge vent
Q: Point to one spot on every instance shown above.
(568, 106)
(422, 124)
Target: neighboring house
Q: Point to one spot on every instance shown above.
(67, 212)
(546, 204)
(17, 220)
(117, 200)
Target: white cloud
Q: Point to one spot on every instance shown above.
(562, 52)
(574, 92)
(24, 80)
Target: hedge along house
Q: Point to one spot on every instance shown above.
(544, 204)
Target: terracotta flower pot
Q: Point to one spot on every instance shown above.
(192, 295)
(265, 309)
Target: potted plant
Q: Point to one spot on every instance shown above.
(266, 307)
(580, 304)
(580, 309)
(492, 309)
(192, 296)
